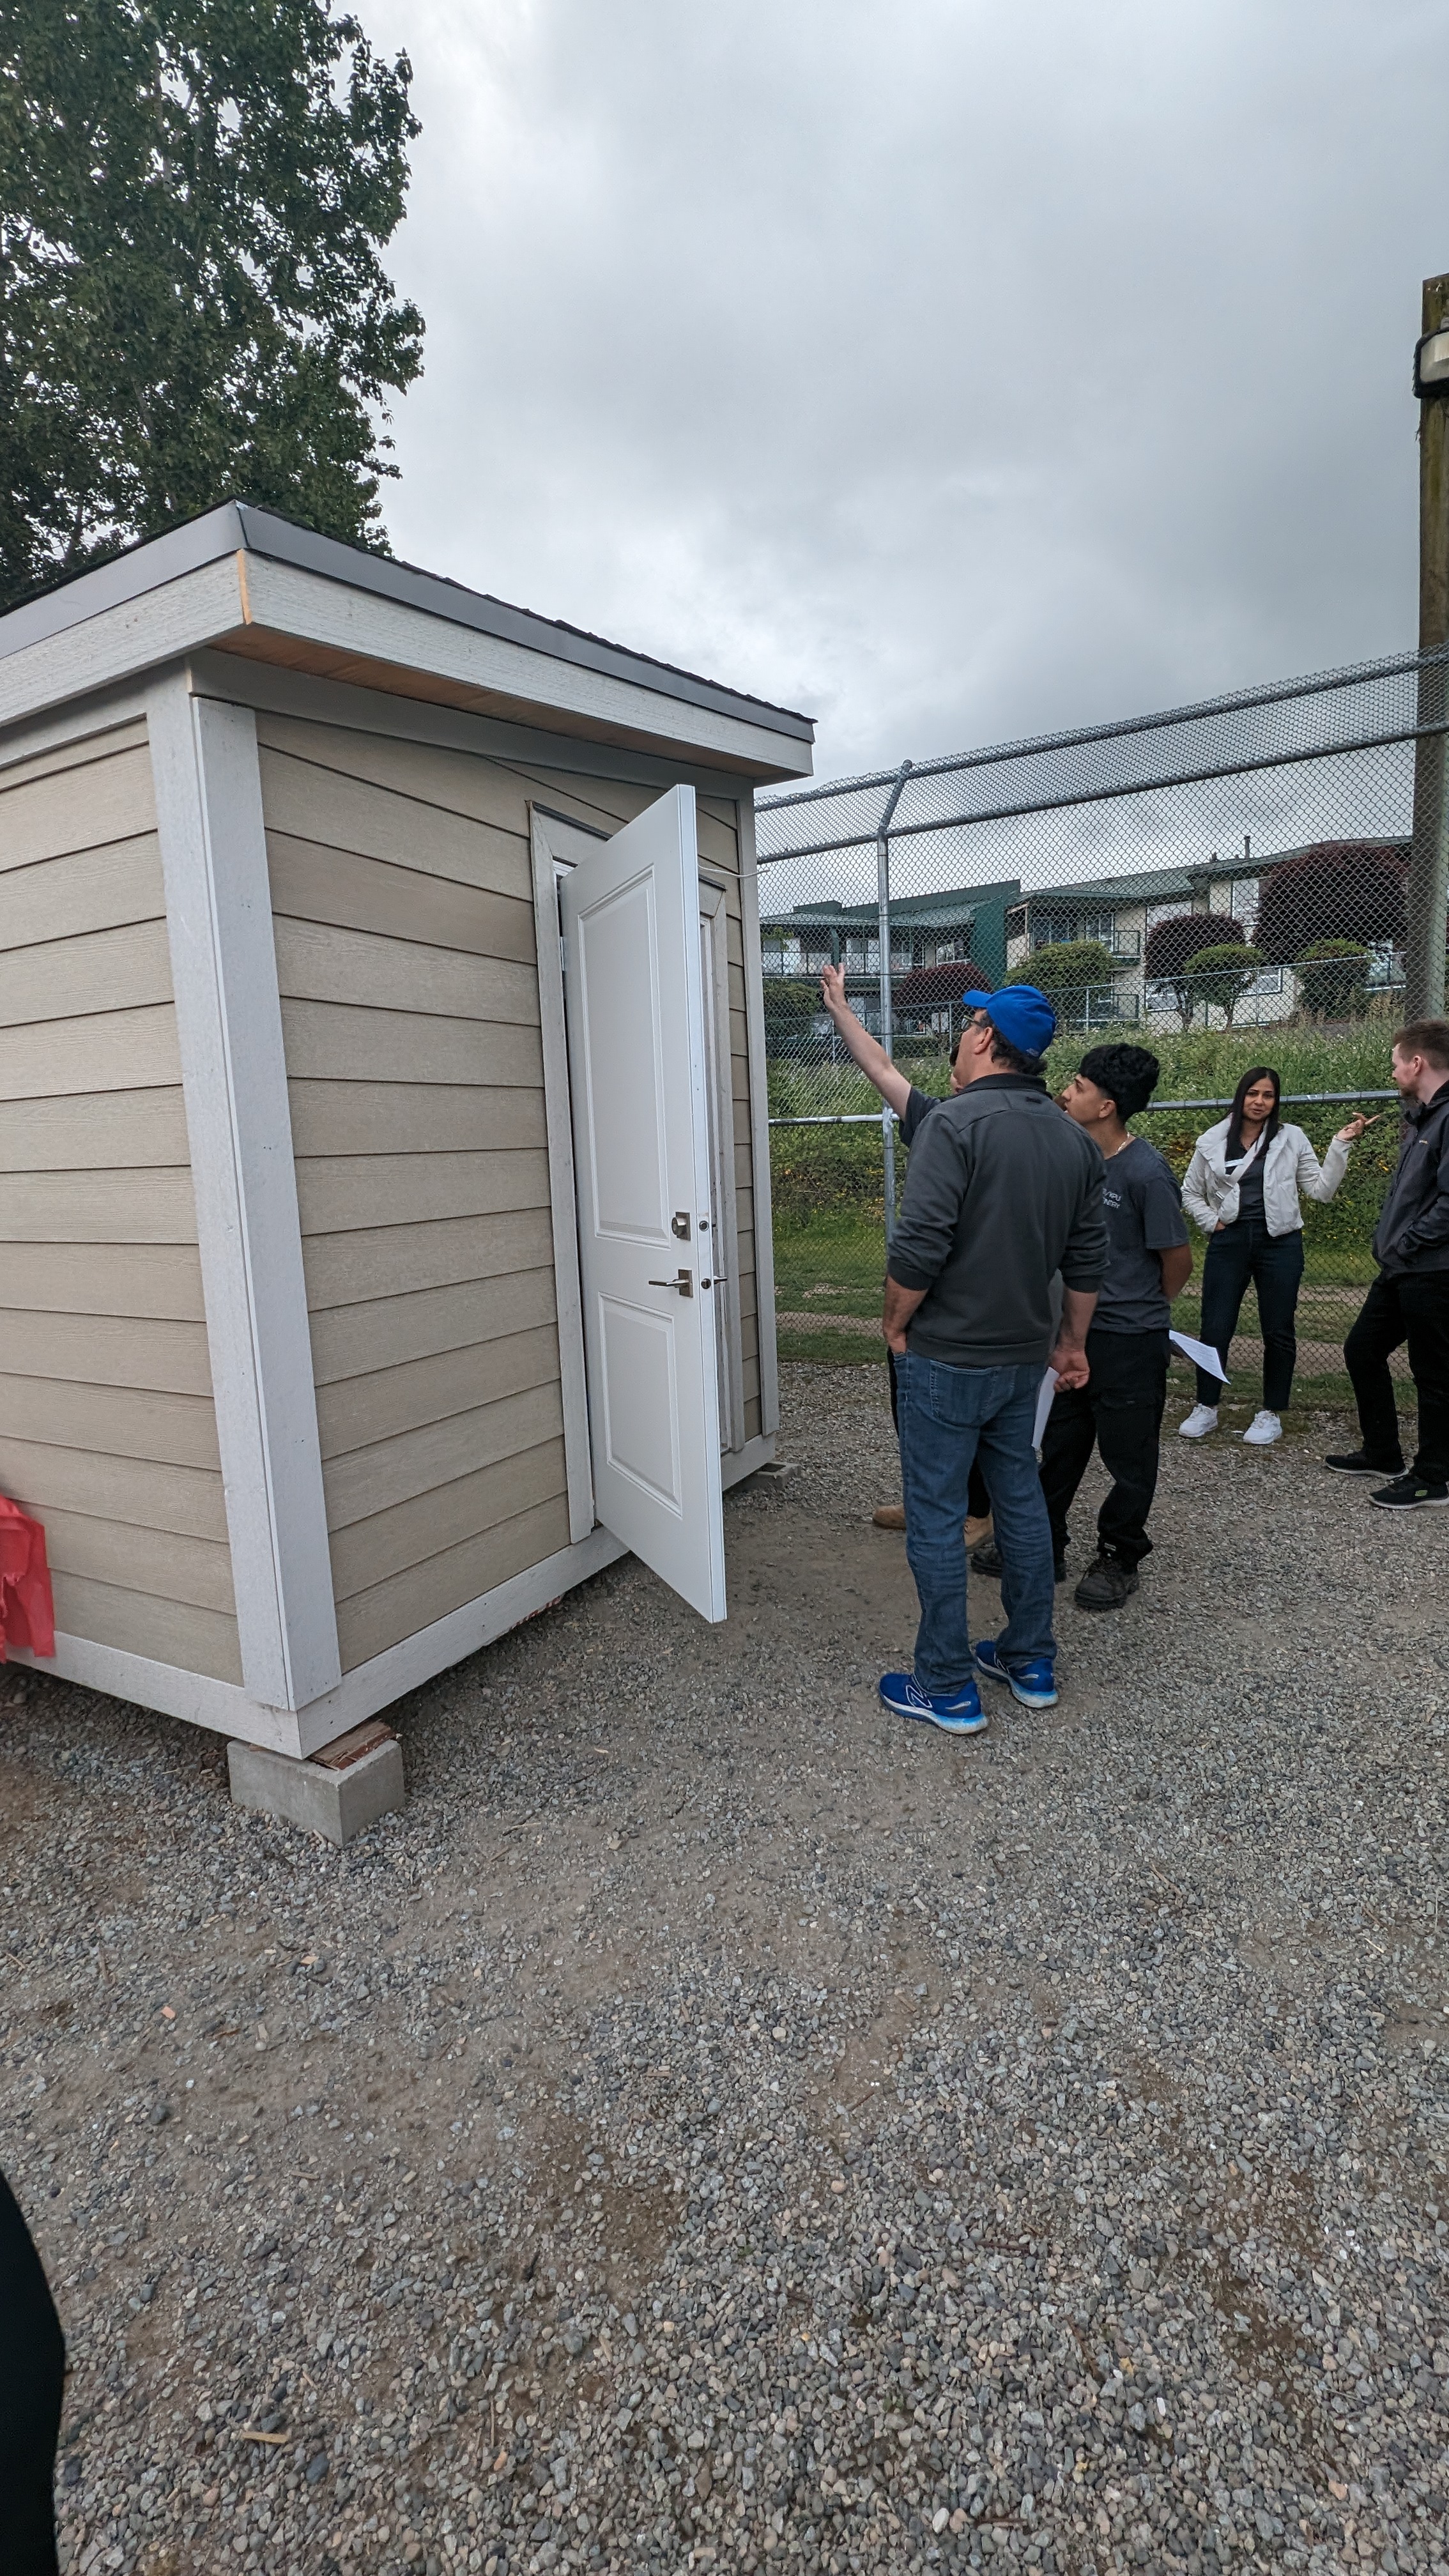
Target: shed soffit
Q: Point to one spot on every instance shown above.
(240, 527)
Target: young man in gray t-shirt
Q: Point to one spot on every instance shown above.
(1119, 1410)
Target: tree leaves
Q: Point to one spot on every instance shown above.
(193, 197)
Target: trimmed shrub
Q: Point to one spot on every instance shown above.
(1333, 978)
(1067, 970)
(1222, 975)
(1173, 943)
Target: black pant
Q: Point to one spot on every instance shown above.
(1412, 1308)
(1274, 1263)
(1120, 1409)
(32, 2383)
(978, 1501)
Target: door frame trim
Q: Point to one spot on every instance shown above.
(555, 843)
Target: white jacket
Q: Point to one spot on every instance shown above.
(1211, 1197)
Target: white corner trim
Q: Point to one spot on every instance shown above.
(759, 1117)
(198, 1698)
(756, 1453)
(229, 1022)
(416, 1659)
(555, 843)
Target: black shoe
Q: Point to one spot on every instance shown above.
(1106, 1585)
(1355, 1462)
(1410, 1493)
(986, 1559)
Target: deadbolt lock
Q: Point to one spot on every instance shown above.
(679, 1224)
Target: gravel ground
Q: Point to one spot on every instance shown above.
(716, 2124)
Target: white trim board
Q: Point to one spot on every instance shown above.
(274, 689)
(229, 1710)
(759, 1118)
(106, 712)
(554, 844)
(207, 780)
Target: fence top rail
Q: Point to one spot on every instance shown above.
(1266, 694)
(1154, 1108)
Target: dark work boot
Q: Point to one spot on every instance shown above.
(1106, 1584)
(986, 1559)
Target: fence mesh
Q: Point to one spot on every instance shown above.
(1228, 883)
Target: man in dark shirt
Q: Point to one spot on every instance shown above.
(1409, 1300)
(1119, 1410)
(1002, 1193)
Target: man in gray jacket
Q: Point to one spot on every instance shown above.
(1409, 1301)
(1002, 1193)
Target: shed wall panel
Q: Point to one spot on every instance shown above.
(107, 1424)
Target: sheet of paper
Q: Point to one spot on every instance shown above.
(1045, 1392)
(1201, 1354)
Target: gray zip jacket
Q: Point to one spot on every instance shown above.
(1412, 1234)
(1002, 1191)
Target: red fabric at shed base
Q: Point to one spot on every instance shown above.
(27, 1614)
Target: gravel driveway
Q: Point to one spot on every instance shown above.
(718, 2125)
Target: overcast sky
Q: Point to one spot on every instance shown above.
(950, 371)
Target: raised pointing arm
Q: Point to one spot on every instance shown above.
(867, 1051)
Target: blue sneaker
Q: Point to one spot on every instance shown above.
(1033, 1683)
(960, 1714)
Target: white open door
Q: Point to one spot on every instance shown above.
(639, 1071)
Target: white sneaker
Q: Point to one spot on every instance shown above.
(1263, 1430)
(1202, 1419)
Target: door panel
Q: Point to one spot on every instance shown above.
(638, 1071)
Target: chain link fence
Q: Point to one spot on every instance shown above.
(1256, 879)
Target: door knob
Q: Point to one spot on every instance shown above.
(684, 1283)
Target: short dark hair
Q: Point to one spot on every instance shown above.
(1012, 1057)
(1128, 1075)
(1428, 1038)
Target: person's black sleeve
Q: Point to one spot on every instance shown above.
(1084, 1262)
(917, 1110)
(930, 1206)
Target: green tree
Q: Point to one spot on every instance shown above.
(1333, 977)
(1223, 974)
(1070, 972)
(193, 198)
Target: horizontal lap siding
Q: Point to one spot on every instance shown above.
(402, 899)
(107, 1425)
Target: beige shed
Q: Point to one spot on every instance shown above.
(384, 1170)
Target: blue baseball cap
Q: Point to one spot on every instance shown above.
(1023, 1015)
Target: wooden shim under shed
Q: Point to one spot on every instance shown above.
(350, 1748)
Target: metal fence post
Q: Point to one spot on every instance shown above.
(887, 1026)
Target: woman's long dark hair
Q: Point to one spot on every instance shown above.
(1255, 1073)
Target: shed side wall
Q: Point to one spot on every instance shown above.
(107, 1425)
(402, 898)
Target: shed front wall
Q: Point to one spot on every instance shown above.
(107, 1423)
(403, 912)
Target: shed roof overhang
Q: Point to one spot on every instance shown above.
(246, 581)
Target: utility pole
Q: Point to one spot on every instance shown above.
(1428, 888)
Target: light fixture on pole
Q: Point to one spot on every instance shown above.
(1431, 363)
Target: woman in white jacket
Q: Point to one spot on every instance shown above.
(1242, 1188)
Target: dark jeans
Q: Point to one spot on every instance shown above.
(1274, 1263)
(1120, 1410)
(1412, 1309)
(946, 1416)
(978, 1501)
(32, 2382)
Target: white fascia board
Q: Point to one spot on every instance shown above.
(206, 772)
(133, 636)
(357, 623)
(759, 1117)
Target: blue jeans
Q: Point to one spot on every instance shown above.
(946, 1416)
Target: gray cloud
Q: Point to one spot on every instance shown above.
(952, 371)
